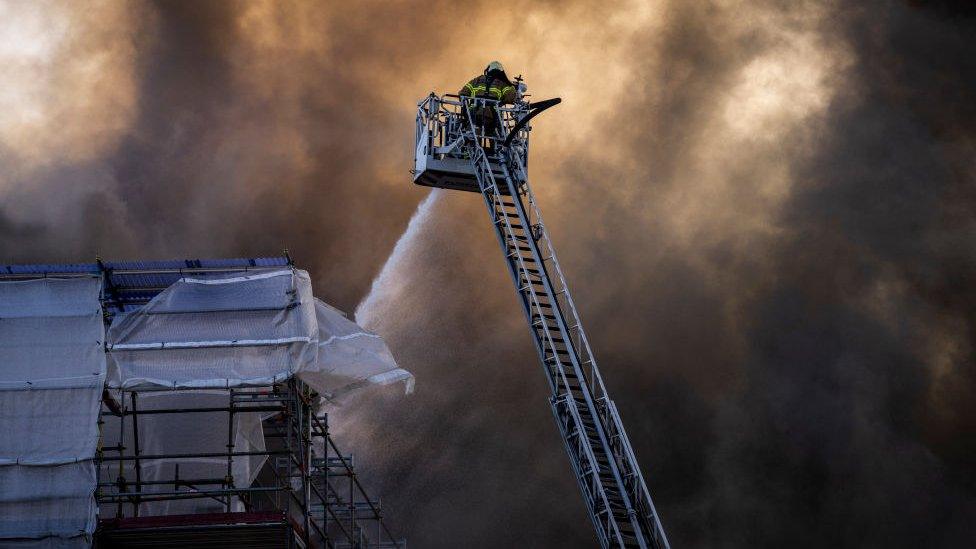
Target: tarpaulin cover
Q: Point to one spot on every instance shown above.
(216, 333)
(349, 357)
(245, 331)
(52, 372)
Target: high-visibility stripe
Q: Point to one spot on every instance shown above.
(497, 92)
(501, 92)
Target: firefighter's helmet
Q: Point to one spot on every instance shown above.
(495, 66)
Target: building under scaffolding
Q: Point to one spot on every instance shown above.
(178, 404)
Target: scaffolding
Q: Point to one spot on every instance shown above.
(299, 489)
(306, 495)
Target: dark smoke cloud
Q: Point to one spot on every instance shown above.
(765, 210)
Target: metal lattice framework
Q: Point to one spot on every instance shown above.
(307, 493)
(455, 151)
(307, 496)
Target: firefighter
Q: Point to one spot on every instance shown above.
(493, 84)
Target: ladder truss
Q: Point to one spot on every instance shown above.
(613, 488)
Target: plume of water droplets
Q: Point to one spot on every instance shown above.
(390, 281)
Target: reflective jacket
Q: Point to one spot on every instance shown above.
(501, 90)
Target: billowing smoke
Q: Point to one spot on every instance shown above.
(765, 209)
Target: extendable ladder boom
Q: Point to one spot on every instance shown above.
(600, 453)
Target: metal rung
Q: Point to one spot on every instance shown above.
(524, 259)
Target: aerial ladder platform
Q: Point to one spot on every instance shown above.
(478, 145)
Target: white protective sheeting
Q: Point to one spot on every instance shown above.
(243, 332)
(216, 333)
(52, 371)
(349, 357)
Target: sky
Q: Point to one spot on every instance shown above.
(765, 210)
